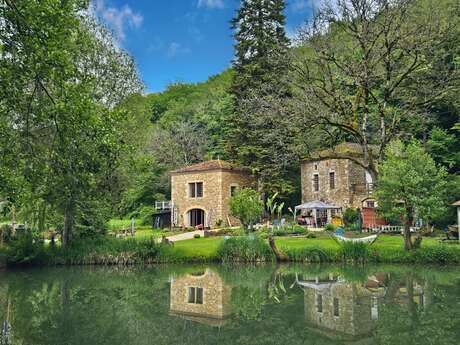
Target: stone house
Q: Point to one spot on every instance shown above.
(340, 309)
(200, 193)
(202, 297)
(341, 182)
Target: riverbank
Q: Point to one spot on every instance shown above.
(111, 251)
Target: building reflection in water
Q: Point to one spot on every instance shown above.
(349, 311)
(201, 297)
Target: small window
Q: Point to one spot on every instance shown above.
(336, 307)
(316, 182)
(195, 190)
(195, 295)
(371, 204)
(199, 190)
(233, 190)
(319, 303)
(332, 180)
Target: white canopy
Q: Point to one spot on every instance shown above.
(316, 205)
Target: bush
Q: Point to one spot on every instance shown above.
(350, 216)
(6, 233)
(196, 236)
(245, 249)
(106, 251)
(25, 249)
(247, 206)
(330, 227)
(311, 235)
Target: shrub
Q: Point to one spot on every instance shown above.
(311, 235)
(25, 249)
(196, 236)
(247, 206)
(6, 233)
(330, 227)
(350, 216)
(245, 249)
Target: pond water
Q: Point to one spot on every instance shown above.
(286, 305)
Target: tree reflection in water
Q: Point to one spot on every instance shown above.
(231, 305)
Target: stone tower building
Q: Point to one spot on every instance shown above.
(341, 182)
(200, 193)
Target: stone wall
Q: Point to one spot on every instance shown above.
(229, 179)
(347, 175)
(216, 194)
(216, 295)
(354, 309)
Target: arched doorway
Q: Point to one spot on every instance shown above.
(196, 217)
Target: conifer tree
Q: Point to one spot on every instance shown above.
(259, 135)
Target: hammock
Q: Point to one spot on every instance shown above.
(369, 239)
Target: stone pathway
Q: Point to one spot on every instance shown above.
(185, 236)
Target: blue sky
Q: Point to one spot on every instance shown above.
(181, 40)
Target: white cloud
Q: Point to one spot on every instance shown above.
(119, 19)
(174, 49)
(211, 3)
(303, 5)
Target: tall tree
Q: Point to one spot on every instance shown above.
(367, 69)
(410, 186)
(61, 79)
(258, 134)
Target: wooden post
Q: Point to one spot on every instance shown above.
(132, 227)
(458, 222)
(457, 204)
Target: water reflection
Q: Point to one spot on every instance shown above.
(286, 305)
(201, 296)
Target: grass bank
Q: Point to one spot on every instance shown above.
(112, 251)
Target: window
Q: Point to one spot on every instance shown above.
(316, 182)
(195, 190)
(319, 303)
(332, 180)
(233, 190)
(371, 204)
(195, 295)
(336, 307)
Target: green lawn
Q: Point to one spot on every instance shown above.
(198, 247)
(207, 247)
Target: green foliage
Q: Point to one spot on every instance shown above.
(244, 249)
(355, 252)
(59, 110)
(247, 206)
(196, 236)
(410, 184)
(330, 227)
(350, 216)
(6, 233)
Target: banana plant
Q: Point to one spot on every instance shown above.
(294, 213)
(279, 211)
(272, 205)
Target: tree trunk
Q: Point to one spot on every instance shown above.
(68, 223)
(407, 225)
(279, 256)
(13, 219)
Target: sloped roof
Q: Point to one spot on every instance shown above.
(344, 149)
(457, 203)
(215, 164)
(317, 204)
